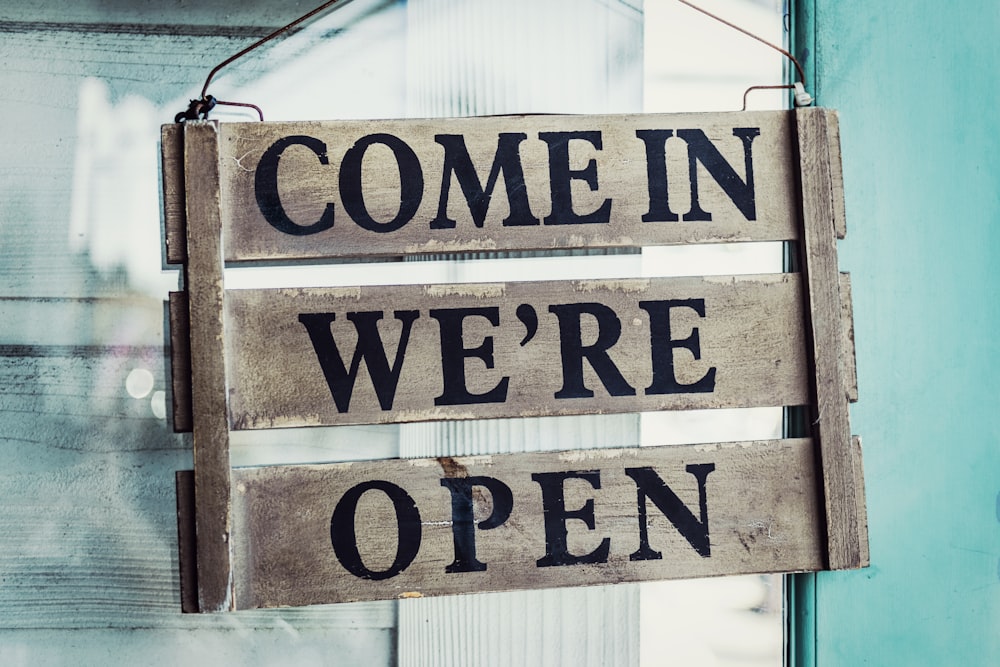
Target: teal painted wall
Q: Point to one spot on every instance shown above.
(917, 88)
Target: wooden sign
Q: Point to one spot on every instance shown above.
(270, 358)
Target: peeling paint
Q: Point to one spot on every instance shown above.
(435, 245)
(435, 414)
(630, 285)
(717, 446)
(353, 293)
(478, 290)
(759, 278)
(465, 461)
(578, 240)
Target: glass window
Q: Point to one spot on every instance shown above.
(88, 482)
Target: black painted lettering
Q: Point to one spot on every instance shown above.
(656, 175)
(370, 348)
(695, 531)
(463, 523)
(506, 160)
(411, 183)
(573, 351)
(662, 347)
(556, 515)
(344, 537)
(701, 149)
(454, 353)
(561, 177)
(266, 187)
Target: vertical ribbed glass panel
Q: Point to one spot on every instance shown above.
(522, 56)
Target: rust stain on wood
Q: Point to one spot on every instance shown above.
(451, 467)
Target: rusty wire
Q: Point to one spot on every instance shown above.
(798, 67)
(201, 106)
(773, 87)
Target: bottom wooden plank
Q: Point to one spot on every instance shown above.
(416, 527)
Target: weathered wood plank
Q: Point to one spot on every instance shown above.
(514, 349)
(172, 176)
(187, 541)
(836, 175)
(180, 361)
(849, 365)
(732, 508)
(830, 418)
(400, 187)
(208, 375)
(859, 485)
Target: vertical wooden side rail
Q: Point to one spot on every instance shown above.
(831, 421)
(208, 376)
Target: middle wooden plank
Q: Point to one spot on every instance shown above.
(359, 355)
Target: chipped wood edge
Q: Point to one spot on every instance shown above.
(186, 541)
(208, 374)
(172, 167)
(836, 174)
(180, 362)
(859, 482)
(830, 419)
(849, 363)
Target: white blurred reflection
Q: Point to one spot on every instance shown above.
(114, 210)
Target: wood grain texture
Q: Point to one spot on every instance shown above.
(180, 361)
(172, 183)
(187, 541)
(831, 421)
(848, 358)
(859, 486)
(208, 377)
(308, 179)
(760, 497)
(836, 175)
(752, 334)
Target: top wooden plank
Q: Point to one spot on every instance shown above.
(312, 190)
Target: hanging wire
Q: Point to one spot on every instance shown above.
(802, 98)
(200, 107)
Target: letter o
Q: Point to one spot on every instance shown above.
(345, 543)
(411, 183)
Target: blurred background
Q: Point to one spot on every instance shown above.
(88, 569)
